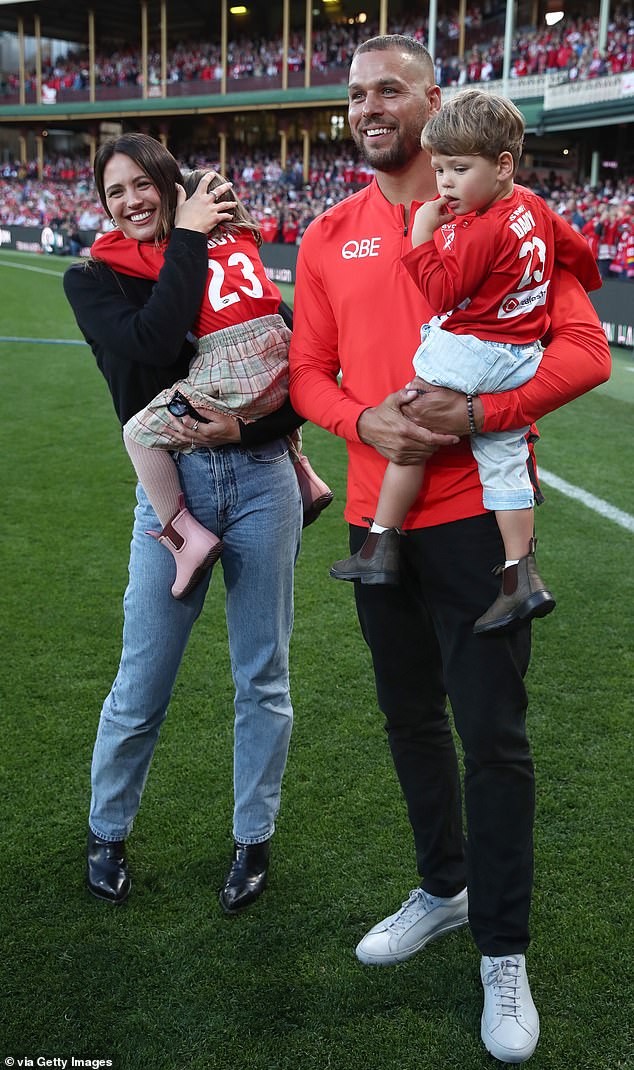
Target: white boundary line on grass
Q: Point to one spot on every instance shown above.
(598, 505)
(40, 341)
(29, 267)
(44, 341)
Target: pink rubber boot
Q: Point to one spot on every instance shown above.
(193, 547)
(316, 494)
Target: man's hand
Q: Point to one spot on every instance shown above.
(440, 409)
(395, 436)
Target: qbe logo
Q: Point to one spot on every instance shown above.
(359, 250)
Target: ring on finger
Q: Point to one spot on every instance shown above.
(195, 425)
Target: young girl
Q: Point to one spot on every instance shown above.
(241, 369)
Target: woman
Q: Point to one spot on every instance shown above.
(237, 479)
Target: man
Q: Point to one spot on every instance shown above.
(357, 311)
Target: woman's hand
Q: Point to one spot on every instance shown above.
(222, 430)
(201, 211)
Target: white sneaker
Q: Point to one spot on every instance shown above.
(510, 1022)
(421, 918)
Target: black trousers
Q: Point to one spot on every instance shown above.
(423, 650)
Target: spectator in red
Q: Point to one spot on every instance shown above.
(591, 230)
(290, 230)
(622, 267)
(608, 239)
(565, 55)
(474, 66)
(269, 226)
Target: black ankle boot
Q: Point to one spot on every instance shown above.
(107, 874)
(247, 876)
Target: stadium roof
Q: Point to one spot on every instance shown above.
(117, 21)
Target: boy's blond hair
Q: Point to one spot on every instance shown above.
(474, 123)
(241, 219)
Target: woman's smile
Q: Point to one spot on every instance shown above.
(133, 199)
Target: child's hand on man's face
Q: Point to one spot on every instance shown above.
(429, 217)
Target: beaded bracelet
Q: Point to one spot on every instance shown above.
(472, 424)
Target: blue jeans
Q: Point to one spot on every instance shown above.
(251, 499)
(472, 366)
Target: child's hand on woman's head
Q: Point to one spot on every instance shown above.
(429, 217)
(202, 211)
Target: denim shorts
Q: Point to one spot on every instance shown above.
(472, 366)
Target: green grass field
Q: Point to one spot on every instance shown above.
(167, 982)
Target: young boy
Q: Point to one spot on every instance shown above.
(483, 256)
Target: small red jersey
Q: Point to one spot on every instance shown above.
(237, 287)
(488, 274)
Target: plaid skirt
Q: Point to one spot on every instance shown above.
(241, 370)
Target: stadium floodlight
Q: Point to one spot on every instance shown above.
(554, 12)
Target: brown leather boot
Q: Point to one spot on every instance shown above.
(376, 562)
(523, 595)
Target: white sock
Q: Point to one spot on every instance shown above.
(377, 529)
(507, 563)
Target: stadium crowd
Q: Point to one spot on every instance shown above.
(284, 204)
(570, 49)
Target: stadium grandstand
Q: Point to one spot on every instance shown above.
(258, 91)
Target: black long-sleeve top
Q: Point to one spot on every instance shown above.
(137, 329)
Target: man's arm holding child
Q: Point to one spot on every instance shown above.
(576, 359)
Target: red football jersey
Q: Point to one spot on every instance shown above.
(237, 288)
(489, 274)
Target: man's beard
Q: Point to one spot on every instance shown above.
(406, 147)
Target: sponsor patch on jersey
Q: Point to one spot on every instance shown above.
(361, 248)
(518, 304)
